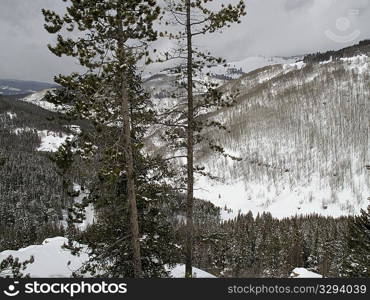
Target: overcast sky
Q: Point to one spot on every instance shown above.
(271, 28)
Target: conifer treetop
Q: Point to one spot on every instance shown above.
(97, 25)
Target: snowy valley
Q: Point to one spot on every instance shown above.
(301, 130)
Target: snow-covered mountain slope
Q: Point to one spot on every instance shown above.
(302, 132)
(236, 69)
(19, 87)
(161, 85)
(50, 140)
(38, 98)
(52, 261)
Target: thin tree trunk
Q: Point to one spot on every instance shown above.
(190, 149)
(131, 191)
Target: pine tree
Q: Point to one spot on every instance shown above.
(113, 38)
(357, 262)
(195, 18)
(12, 268)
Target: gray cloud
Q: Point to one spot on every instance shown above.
(271, 27)
(297, 4)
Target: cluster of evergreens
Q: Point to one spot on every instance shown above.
(263, 246)
(32, 196)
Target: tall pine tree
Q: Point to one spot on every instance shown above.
(195, 18)
(112, 37)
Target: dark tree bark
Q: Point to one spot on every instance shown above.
(127, 146)
(190, 148)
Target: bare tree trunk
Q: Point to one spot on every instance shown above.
(126, 134)
(190, 149)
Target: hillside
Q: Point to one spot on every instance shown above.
(301, 130)
(32, 195)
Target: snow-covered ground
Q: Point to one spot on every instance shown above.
(304, 273)
(11, 115)
(256, 62)
(179, 272)
(258, 198)
(89, 210)
(52, 261)
(51, 141)
(37, 98)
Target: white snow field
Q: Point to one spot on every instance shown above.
(304, 273)
(301, 131)
(51, 141)
(37, 98)
(52, 261)
(11, 115)
(179, 272)
(253, 63)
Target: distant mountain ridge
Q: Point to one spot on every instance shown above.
(362, 48)
(18, 87)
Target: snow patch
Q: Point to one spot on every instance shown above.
(297, 65)
(89, 210)
(20, 130)
(11, 115)
(74, 128)
(359, 63)
(38, 99)
(256, 62)
(51, 260)
(179, 272)
(304, 273)
(51, 141)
